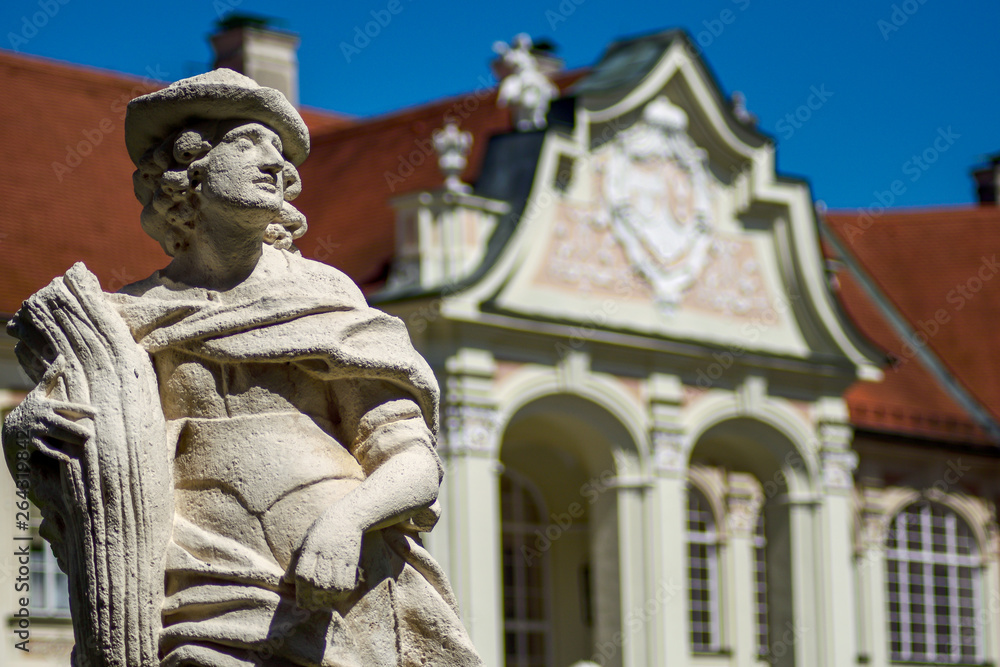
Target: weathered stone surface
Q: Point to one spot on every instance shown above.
(94, 441)
(235, 457)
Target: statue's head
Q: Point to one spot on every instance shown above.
(216, 140)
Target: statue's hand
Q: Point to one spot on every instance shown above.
(49, 423)
(327, 569)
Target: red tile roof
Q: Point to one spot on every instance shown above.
(936, 267)
(319, 121)
(88, 213)
(355, 167)
(66, 190)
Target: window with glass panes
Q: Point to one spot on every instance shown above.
(527, 628)
(760, 584)
(49, 585)
(933, 567)
(703, 573)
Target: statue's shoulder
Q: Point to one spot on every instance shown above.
(325, 278)
(159, 287)
(285, 273)
(144, 286)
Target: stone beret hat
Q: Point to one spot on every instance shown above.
(217, 95)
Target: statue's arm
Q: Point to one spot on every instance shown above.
(91, 439)
(403, 473)
(43, 420)
(46, 420)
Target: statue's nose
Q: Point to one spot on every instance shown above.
(274, 161)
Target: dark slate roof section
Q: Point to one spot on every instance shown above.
(627, 62)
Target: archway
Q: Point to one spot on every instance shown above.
(566, 453)
(759, 481)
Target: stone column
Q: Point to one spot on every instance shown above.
(470, 499)
(873, 629)
(797, 633)
(671, 633)
(639, 606)
(744, 499)
(835, 541)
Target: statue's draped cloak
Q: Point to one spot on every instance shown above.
(226, 603)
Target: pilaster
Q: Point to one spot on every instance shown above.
(873, 621)
(470, 446)
(744, 499)
(837, 601)
(640, 606)
(671, 634)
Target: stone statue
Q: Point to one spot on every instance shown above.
(234, 457)
(453, 146)
(524, 87)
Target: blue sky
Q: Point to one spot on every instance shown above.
(895, 76)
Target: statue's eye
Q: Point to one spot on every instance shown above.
(244, 144)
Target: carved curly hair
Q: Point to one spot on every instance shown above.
(166, 185)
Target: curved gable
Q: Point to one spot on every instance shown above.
(659, 213)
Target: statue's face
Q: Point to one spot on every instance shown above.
(244, 173)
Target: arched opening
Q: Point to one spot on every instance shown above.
(568, 451)
(735, 450)
(933, 567)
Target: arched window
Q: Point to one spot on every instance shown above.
(934, 601)
(760, 584)
(703, 573)
(527, 629)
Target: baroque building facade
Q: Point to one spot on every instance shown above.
(650, 347)
(668, 416)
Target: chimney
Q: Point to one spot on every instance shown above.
(252, 46)
(987, 178)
